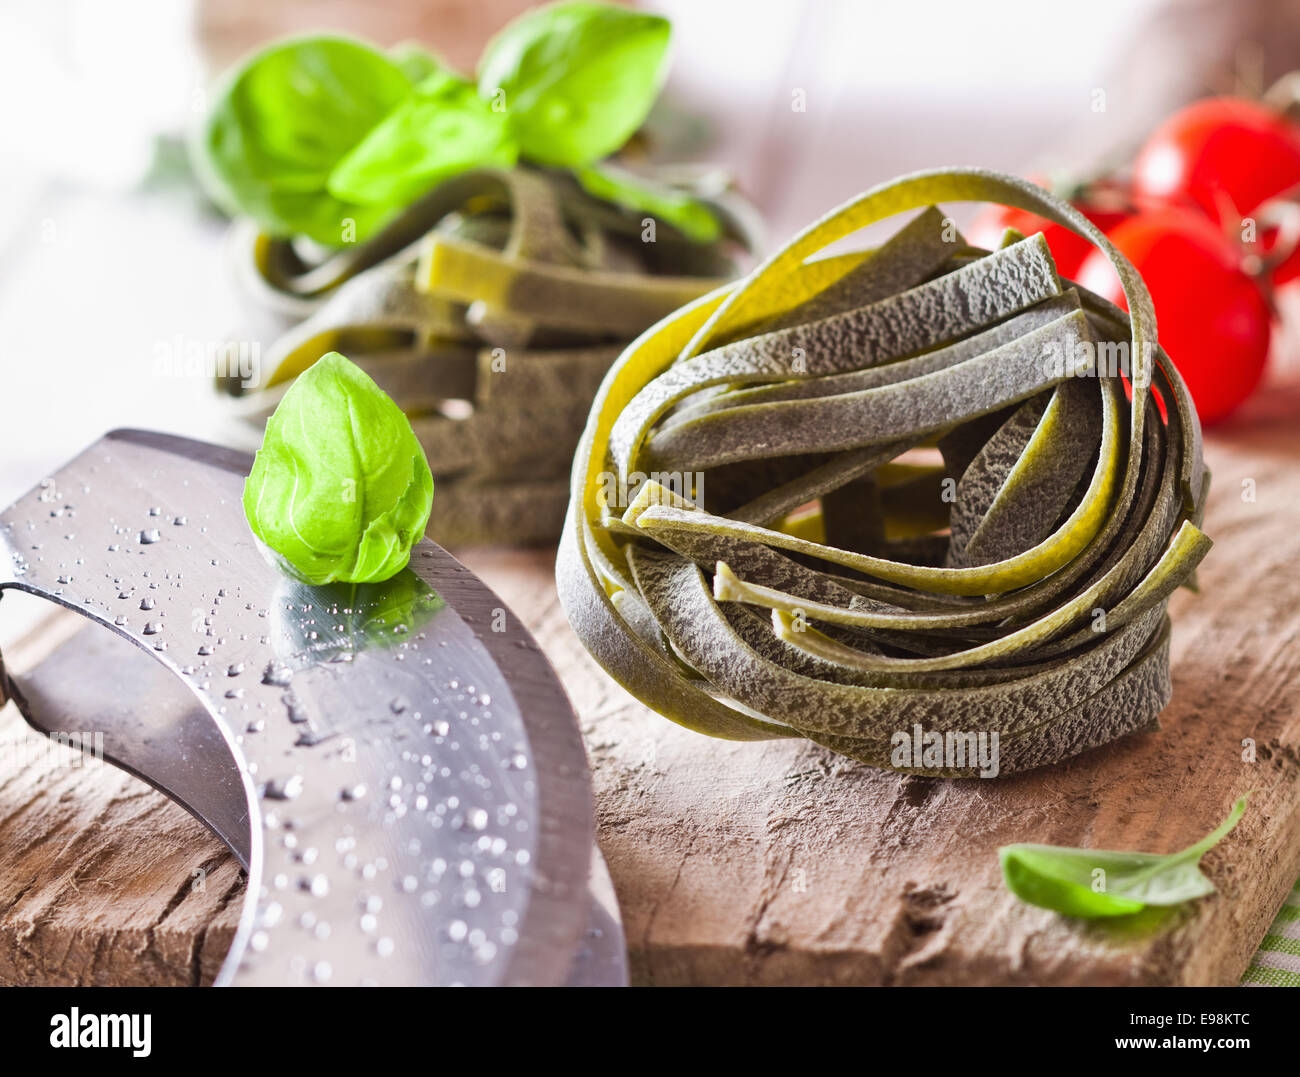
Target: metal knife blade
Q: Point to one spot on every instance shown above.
(397, 765)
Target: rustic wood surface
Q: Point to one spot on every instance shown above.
(102, 879)
(780, 862)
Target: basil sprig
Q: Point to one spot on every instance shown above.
(340, 489)
(443, 128)
(1095, 883)
(329, 138)
(578, 78)
(282, 123)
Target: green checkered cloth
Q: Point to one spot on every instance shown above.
(1277, 962)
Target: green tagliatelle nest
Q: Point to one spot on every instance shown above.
(490, 311)
(894, 488)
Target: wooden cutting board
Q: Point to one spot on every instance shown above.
(781, 863)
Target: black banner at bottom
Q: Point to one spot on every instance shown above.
(140, 1026)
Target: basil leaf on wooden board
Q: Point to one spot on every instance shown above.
(443, 129)
(1095, 883)
(282, 122)
(577, 78)
(340, 489)
(688, 215)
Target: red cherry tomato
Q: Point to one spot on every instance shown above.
(1213, 319)
(1223, 154)
(1068, 249)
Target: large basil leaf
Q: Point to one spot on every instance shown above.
(281, 124)
(444, 129)
(340, 489)
(1094, 883)
(577, 78)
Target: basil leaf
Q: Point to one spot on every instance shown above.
(577, 78)
(283, 121)
(340, 489)
(416, 62)
(688, 215)
(1093, 883)
(444, 129)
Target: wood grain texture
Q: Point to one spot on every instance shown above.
(102, 879)
(780, 862)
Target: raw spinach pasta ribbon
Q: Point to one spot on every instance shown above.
(921, 486)
(489, 310)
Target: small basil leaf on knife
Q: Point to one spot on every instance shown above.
(340, 489)
(444, 129)
(688, 215)
(282, 122)
(1095, 883)
(577, 78)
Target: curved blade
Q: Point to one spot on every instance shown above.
(414, 785)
